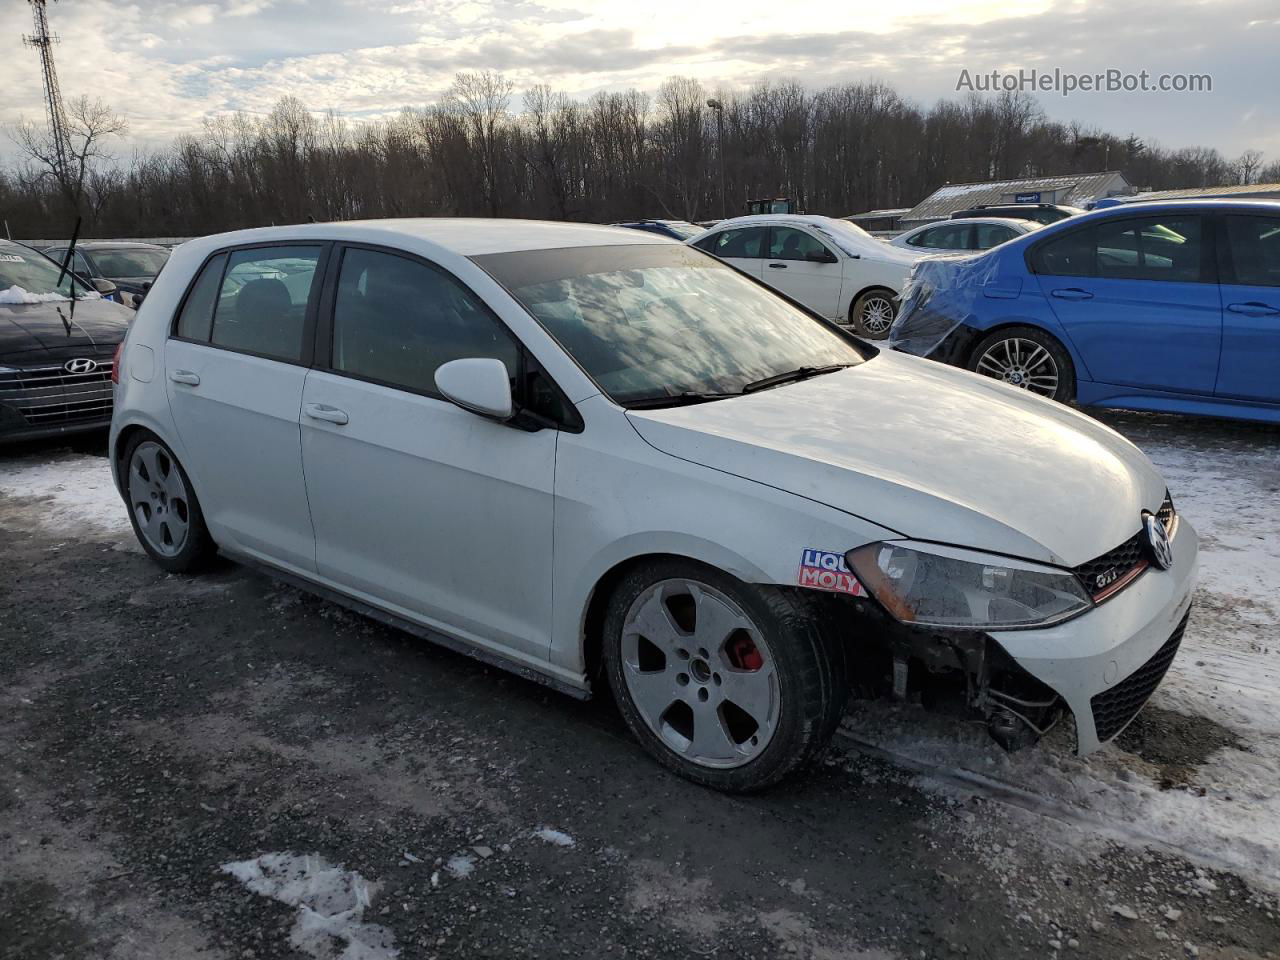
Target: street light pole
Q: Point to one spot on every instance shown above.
(718, 107)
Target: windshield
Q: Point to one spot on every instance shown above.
(847, 236)
(34, 274)
(130, 263)
(651, 321)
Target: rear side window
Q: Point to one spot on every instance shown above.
(950, 237)
(196, 319)
(788, 243)
(396, 320)
(989, 235)
(262, 303)
(1166, 249)
(1255, 250)
(744, 243)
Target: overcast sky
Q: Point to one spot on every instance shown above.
(166, 65)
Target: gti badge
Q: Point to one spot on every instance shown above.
(1158, 541)
(80, 365)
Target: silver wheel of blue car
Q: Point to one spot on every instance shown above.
(158, 498)
(700, 674)
(1021, 363)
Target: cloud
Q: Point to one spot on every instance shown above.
(168, 65)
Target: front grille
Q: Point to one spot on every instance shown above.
(1106, 574)
(49, 395)
(1114, 708)
(1168, 515)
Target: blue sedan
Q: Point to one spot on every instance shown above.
(1171, 306)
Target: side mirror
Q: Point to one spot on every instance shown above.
(104, 287)
(825, 256)
(477, 384)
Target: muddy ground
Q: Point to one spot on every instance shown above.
(154, 728)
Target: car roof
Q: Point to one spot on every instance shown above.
(468, 237)
(117, 245)
(797, 219)
(1013, 222)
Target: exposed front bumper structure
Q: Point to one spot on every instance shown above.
(1107, 663)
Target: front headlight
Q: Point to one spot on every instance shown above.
(941, 586)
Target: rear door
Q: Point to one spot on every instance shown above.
(235, 365)
(421, 507)
(1138, 296)
(805, 269)
(1250, 367)
(741, 246)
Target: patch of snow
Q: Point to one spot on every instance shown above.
(331, 902)
(460, 867)
(76, 489)
(17, 295)
(556, 838)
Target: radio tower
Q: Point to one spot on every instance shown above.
(43, 41)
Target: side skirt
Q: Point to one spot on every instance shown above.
(408, 626)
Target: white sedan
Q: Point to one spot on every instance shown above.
(972, 233)
(596, 456)
(834, 268)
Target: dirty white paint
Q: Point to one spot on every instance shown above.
(331, 903)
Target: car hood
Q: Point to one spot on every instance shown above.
(29, 329)
(929, 451)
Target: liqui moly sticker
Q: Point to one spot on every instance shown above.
(823, 570)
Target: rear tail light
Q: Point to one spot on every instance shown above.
(115, 362)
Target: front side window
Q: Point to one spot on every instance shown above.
(396, 320)
(1255, 250)
(652, 322)
(742, 243)
(262, 303)
(788, 243)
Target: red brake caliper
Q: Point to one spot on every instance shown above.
(744, 654)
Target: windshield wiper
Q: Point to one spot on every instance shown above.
(675, 400)
(791, 376)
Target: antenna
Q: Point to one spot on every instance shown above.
(43, 41)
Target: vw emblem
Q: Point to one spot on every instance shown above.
(80, 365)
(1158, 541)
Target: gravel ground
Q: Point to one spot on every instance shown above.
(378, 796)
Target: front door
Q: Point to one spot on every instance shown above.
(1250, 367)
(1139, 299)
(420, 507)
(804, 269)
(234, 370)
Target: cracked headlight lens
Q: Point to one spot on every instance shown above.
(931, 585)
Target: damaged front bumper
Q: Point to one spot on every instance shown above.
(1106, 663)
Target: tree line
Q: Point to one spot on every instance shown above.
(841, 150)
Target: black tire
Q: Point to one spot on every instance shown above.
(809, 663)
(1064, 392)
(865, 315)
(198, 548)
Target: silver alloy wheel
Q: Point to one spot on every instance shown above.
(700, 673)
(1021, 363)
(877, 314)
(158, 499)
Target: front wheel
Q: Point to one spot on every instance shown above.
(730, 685)
(1027, 358)
(872, 314)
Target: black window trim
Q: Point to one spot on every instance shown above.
(307, 347)
(323, 346)
(1209, 257)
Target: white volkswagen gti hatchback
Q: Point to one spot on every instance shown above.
(593, 455)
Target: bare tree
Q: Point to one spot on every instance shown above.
(89, 124)
(1247, 165)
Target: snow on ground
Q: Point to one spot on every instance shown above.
(76, 489)
(1225, 479)
(556, 838)
(331, 903)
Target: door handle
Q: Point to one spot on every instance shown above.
(1072, 293)
(185, 376)
(320, 411)
(1253, 309)
(778, 266)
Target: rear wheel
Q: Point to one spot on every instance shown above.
(872, 314)
(1028, 358)
(163, 507)
(730, 685)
